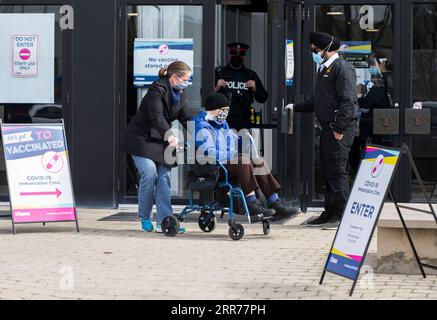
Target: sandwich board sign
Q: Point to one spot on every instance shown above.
(364, 206)
(38, 172)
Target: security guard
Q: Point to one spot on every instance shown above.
(335, 106)
(241, 85)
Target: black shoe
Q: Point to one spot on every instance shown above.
(319, 221)
(332, 224)
(283, 211)
(257, 212)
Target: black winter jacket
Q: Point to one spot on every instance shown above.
(145, 134)
(335, 97)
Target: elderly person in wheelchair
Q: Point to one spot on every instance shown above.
(214, 140)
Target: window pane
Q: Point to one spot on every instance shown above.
(34, 113)
(424, 89)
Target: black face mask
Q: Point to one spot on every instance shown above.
(236, 61)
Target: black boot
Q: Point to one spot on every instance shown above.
(320, 220)
(283, 210)
(257, 212)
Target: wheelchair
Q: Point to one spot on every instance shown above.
(236, 202)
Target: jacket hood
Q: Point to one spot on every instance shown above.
(200, 116)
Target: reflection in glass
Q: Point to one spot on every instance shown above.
(424, 89)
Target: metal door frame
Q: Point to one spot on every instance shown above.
(289, 145)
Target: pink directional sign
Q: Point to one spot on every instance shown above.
(38, 173)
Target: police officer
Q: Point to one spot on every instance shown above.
(241, 85)
(335, 106)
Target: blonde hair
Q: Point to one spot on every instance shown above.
(178, 68)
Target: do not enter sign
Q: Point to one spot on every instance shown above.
(25, 55)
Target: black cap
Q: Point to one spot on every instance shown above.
(322, 40)
(238, 48)
(216, 101)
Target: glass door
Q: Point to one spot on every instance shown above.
(146, 21)
(369, 35)
(289, 124)
(423, 93)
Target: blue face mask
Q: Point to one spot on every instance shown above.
(317, 58)
(182, 85)
(373, 70)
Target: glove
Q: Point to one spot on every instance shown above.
(289, 106)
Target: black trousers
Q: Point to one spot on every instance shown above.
(334, 156)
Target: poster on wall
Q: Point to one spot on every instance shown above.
(356, 52)
(362, 211)
(38, 173)
(25, 56)
(289, 63)
(150, 55)
(27, 63)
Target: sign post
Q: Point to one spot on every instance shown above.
(363, 209)
(38, 172)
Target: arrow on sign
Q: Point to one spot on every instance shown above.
(56, 193)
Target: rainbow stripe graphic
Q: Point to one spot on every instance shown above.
(347, 256)
(390, 156)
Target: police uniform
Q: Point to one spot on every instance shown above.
(335, 106)
(242, 98)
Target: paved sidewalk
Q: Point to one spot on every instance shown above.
(115, 260)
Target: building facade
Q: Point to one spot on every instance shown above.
(96, 96)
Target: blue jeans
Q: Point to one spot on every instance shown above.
(154, 184)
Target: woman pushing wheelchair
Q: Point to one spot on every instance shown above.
(146, 141)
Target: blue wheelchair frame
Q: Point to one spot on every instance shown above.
(211, 208)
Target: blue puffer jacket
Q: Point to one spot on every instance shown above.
(215, 140)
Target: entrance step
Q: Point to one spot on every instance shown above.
(395, 255)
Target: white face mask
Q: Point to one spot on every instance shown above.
(220, 118)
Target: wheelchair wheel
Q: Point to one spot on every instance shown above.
(206, 226)
(238, 233)
(170, 226)
(266, 227)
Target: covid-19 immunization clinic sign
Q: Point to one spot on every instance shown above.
(38, 173)
(150, 55)
(362, 212)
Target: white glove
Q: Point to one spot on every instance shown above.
(417, 105)
(290, 106)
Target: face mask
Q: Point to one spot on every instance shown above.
(236, 61)
(317, 58)
(221, 117)
(373, 70)
(181, 85)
